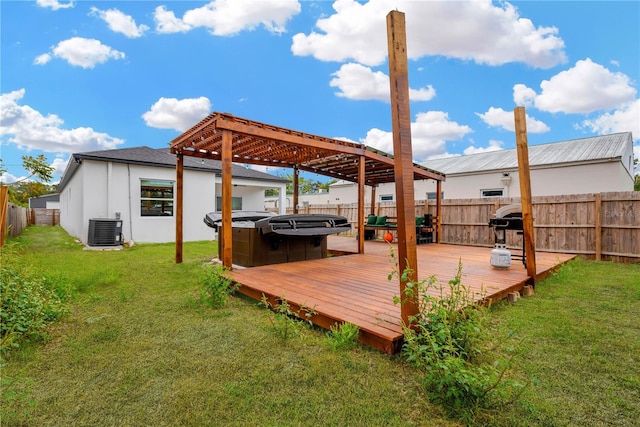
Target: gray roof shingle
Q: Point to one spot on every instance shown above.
(161, 157)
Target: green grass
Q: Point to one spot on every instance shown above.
(142, 348)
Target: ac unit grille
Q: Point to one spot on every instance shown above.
(105, 232)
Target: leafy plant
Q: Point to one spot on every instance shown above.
(217, 286)
(29, 302)
(343, 335)
(446, 339)
(286, 322)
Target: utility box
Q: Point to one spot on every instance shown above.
(105, 232)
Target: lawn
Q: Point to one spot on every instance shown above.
(141, 348)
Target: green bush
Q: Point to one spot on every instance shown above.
(285, 321)
(30, 302)
(343, 335)
(216, 286)
(446, 339)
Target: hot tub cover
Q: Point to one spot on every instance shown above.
(214, 219)
(303, 225)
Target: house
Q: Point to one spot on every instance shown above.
(138, 186)
(48, 201)
(587, 165)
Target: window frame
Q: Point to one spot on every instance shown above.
(483, 195)
(235, 206)
(165, 201)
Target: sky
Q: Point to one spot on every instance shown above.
(91, 75)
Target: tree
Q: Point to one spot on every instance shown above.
(22, 190)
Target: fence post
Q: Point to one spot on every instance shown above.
(598, 225)
(4, 202)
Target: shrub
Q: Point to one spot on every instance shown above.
(445, 340)
(216, 286)
(343, 335)
(29, 302)
(286, 322)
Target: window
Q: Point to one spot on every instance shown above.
(156, 197)
(386, 198)
(432, 195)
(236, 203)
(492, 192)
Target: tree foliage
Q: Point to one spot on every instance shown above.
(22, 190)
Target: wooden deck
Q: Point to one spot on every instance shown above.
(355, 288)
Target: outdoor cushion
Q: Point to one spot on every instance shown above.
(419, 220)
(382, 220)
(371, 220)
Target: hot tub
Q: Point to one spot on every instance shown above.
(261, 238)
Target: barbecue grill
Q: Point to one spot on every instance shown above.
(506, 218)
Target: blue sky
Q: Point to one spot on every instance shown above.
(90, 75)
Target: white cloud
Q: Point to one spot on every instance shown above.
(29, 129)
(119, 22)
(481, 31)
(8, 178)
(171, 113)
(59, 165)
(625, 119)
(42, 59)
(524, 96)
(429, 134)
(493, 146)
(356, 81)
(168, 23)
(228, 17)
(585, 88)
(497, 117)
(54, 4)
(81, 52)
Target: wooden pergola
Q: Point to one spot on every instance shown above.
(231, 139)
(224, 137)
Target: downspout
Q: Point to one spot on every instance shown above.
(129, 182)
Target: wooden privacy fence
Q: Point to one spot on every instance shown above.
(18, 218)
(600, 226)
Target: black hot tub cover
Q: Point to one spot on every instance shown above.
(303, 225)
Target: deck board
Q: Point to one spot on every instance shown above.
(355, 288)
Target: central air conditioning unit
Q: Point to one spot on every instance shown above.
(105, 232)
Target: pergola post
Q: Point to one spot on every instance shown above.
(296, 189)
(402, 152)
(522, 149)
(361, 178)
(227, 188)
(438, 210)
(373, 199)
(179, 204)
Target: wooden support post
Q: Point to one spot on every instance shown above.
(438, 211)
(522, 149)
(4, 202)
(296, 189)
(361, 178)
(598, 226)
(373, 199)
(179, 204)
(403, 160)
(227, 189)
